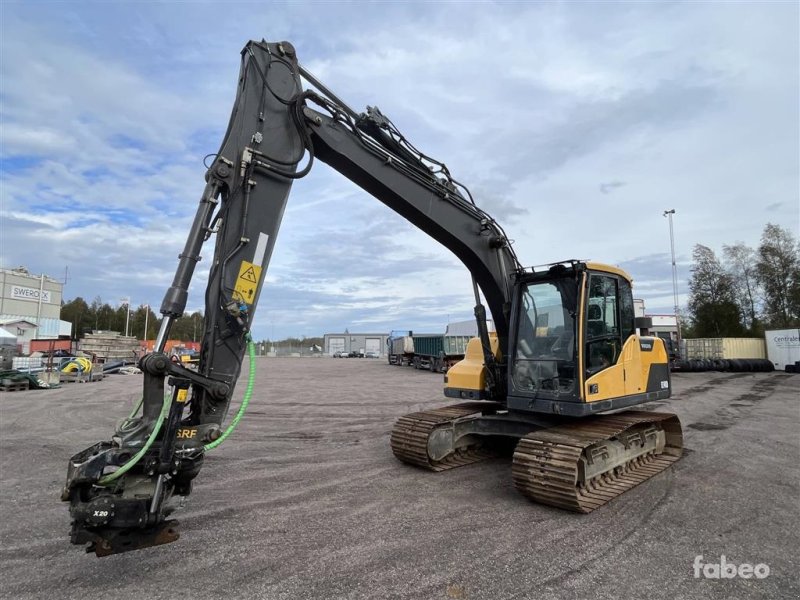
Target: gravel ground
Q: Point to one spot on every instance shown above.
(306, 500)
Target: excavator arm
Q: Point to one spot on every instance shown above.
(121, 491)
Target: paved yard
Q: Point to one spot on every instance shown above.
(306, 501)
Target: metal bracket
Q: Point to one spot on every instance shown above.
(116, 541)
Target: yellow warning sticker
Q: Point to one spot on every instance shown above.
(247, 282)
(182, 395)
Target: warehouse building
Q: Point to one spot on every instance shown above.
(33, 299)
(355, 342)
(664, 326)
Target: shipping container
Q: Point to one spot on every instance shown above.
(783, 347)
(727, 348)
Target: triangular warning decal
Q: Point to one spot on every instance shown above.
(249, 275)
(247, 283)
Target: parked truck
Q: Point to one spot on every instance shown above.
(783, 349)
(435, 352)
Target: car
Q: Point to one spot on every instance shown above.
(373, 354)
(355, 354)
(340, 354)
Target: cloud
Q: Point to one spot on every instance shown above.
(106, 118)
(607, 188)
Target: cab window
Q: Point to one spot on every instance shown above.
(603, 336)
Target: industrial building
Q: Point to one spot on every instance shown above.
(30, 305)
(665, 326)
(355, 342)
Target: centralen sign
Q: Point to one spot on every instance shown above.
(25, 293)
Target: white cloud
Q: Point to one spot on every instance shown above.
(534, 106)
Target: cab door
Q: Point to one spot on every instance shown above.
(609, 359)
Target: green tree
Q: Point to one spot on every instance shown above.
(79, 314)
(712, 297)
(778, 272)
(105, 317)
(740, 264)
(120, 318)
(94, 310)
(188, 327)
(142, 316)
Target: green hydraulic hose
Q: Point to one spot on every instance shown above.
(251, 352)
(251, 379)
(136, 408)
(106, 479)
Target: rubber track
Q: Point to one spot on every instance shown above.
(545, 466)
(410, 436)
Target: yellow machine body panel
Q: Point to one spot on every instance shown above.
(631, 373)
(467, 378)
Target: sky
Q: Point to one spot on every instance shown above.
(575, 125)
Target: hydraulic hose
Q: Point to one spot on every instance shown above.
(111, 477)
(248, 393)
(136, 408)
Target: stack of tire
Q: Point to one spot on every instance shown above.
(795, 368)
(731, 365)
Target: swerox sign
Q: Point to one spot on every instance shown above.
(727, 570)
(25, 293)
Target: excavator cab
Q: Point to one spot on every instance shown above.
(574, 347)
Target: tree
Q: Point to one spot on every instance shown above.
(187, 327)
(740, 264)
(105, 317)
(78, 313)
(712, 297)
(139, 318)
(119, 319)
(94, 309)
(778, 272)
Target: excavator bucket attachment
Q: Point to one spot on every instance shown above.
(583, 465)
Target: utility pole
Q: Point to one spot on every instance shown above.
(146, 316)
(668, 214)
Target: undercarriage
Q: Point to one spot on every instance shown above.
(573, 464)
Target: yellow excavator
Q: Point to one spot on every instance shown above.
(573, 352)
(564, 359)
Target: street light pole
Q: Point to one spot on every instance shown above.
(668, 214)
